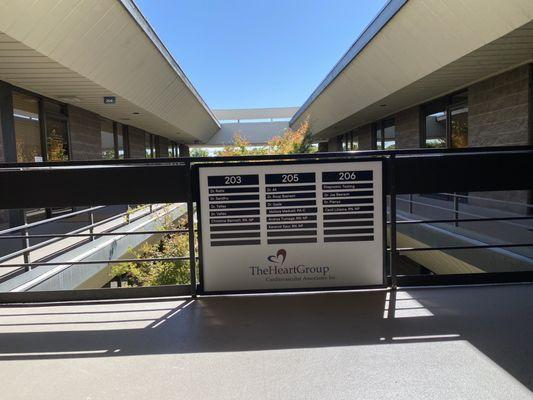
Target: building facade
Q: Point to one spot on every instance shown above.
(36, 128)
(493, 112)
(440, 73)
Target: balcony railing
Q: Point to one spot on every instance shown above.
(407, 173)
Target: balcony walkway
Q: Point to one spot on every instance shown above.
(439, 343)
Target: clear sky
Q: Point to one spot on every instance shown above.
(258, 53)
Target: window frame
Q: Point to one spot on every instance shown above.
(447, 104)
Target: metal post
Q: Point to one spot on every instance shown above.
(192, 255)
(456, 209)
(410, 203)
(393, 245)
(151, 208)
(26, 242)
(91, 221)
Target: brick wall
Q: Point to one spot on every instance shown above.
(498, 115)
(136, 140)
(408, 128)
(85, 139)
(1, 140)
(498, 109)
(162, 151)
(334, 144)
(364, 137)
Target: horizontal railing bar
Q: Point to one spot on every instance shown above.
(67, 235)
(472, 247)
(75, 232)
(514, 203)
(437, 221)
(53, 219)
(438, 207)
(129, 260)
(459, 212)
(190, 160)
(96, 294)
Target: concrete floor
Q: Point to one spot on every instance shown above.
(440, 343)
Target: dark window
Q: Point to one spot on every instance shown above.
(446, 122)
(56, 138)
(120, 141)
(436, 121)
(56, 131)
(156, 149)
(27, 128)
(108, 139)
(149, 145)
(350, 141)
(459, 120)
(173, 149)
(385, 134)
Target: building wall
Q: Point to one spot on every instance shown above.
(136, 141)
(408, 128)
(1, 140)
(85, 136)
(162, 150)
(334, 144)
(499, 108)
(364, 135)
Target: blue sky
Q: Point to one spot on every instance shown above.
(258, 53)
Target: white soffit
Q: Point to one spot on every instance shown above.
(255, 113)
(95, 48)
(428, 48)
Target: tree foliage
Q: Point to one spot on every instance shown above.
(156, 273)
(199, 152)
(291, 142)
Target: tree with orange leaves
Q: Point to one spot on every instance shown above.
(291, 142)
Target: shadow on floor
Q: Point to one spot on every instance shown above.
(497, 320)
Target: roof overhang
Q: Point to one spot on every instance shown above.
(78, 52)
(415, 51)
(256, 125)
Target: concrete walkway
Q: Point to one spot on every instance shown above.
(441, 343)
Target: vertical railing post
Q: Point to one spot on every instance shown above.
(91, 222)
(26, 242)
(192, 253)
(456, 209)
(410, 203)
(393, 245)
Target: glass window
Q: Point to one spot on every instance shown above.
(172, 149)
(389, 134)
(56, 138)
(385, 134)
(148, 145)
(459, 120)
(447, 122)
(436, 119)
(120, 141)
(27, 128)
(156, 149)
(108, 141)
(379, 137)
(355, 142)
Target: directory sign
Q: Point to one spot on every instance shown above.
(291, 226)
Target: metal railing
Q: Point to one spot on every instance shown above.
(26, 236)
(407, 172)
(395, 251)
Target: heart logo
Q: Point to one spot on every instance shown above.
(279, 258)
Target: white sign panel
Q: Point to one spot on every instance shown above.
(291, 226)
